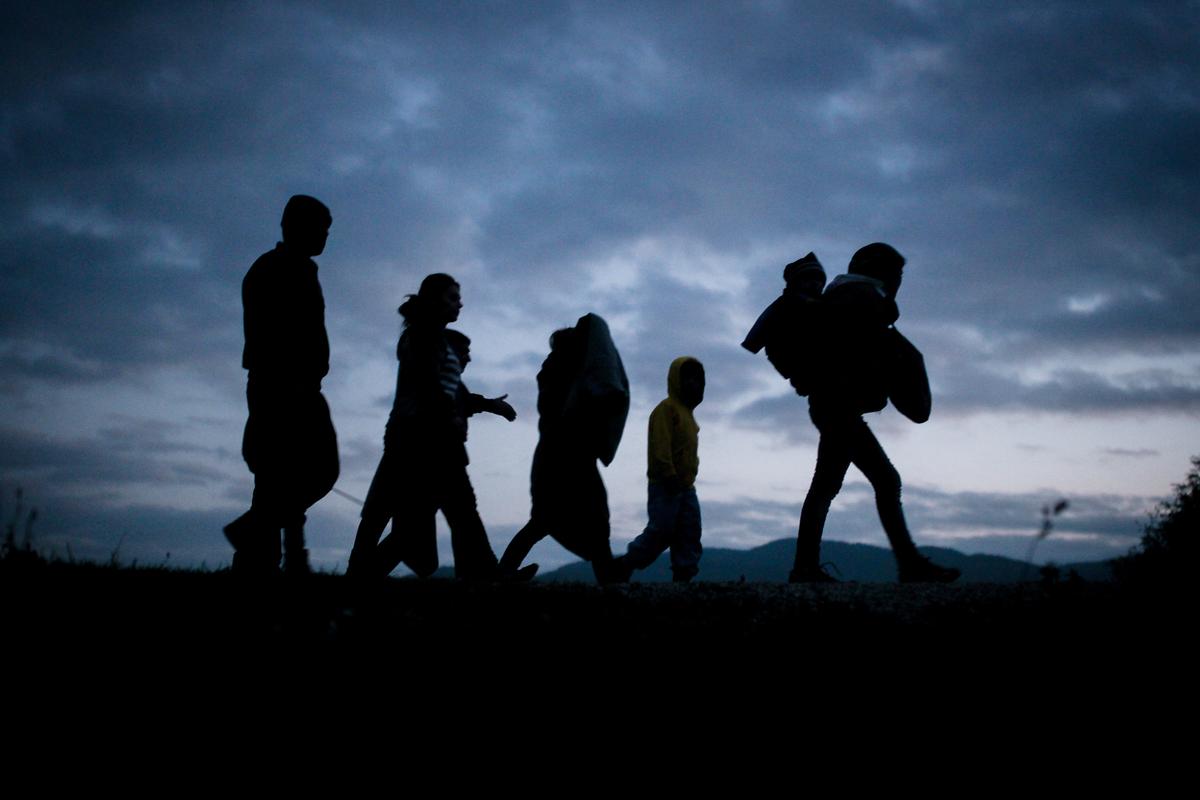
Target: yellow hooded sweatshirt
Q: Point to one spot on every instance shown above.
(673, 441)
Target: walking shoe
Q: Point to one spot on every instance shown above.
(816, 574)
(920, 569)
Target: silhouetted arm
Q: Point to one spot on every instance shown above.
(661, 462)
(760, 332)
(477, 404)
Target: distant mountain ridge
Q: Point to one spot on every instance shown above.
(852, 562)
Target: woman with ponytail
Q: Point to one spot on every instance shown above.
(424, 464)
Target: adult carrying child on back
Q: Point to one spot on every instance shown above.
(862, 361)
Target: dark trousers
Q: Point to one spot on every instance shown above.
(674, 522)
(847, 440)
(291, 447)
(409, 488)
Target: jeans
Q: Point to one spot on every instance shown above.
(674, 522)
(847, 440)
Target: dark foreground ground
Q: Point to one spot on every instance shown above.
(320, 678)
(71, 614)
(128, 661)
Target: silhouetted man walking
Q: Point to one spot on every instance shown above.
(857, 312)
(289, 443)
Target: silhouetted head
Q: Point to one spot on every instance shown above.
(882, 262)
(305, 224)
(566, 350)
(691, 383)
(460, 343)
(563, 339)
(805, 276)
(437, 302)
(685, 381)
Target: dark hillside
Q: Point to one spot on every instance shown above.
(854, 562)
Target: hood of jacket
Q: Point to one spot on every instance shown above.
(673, 377)
(672, 443)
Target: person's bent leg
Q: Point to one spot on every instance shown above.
(868, 455)
(518, 549)
(376, 512)
(315, 468)
(885, 480)
(474, 558)
(833, 459)
(685, 544)
(662, 509)
(412, 541)
(606, 568)
(262, 551)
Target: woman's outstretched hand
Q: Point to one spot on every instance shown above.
(498, 406)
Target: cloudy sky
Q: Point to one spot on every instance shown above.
(657, 163)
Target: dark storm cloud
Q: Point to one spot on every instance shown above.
(1069, 390)
(1035, 162)
(137, 451)
(1122, 452)
(360, 454)
(971, 390)
(1049, 159)
(102, 308)
(673, 319)
(99, 262)
(563, 131)
(785, 414)
(147, 165)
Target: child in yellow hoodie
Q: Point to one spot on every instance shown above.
(673, 508)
